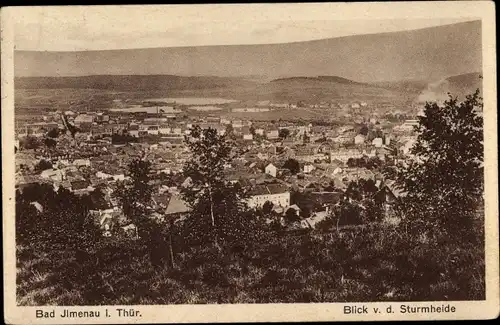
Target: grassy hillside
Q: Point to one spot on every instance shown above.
(464, 84)
(358, 264)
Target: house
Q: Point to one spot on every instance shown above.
(270, 169)
(338, 170)
(272, 134)
(388, 195)
(55, 175)
(277, 194)
(164, 129)
(106, 222)
(83, 120)
(176, 206)
(378, 142)
(312, 221)
(81, 162)
(262, 155)
(237, 124)
(408, 145)
(387, 140)
(247, 135)
(359, 139)
(130, 231)
(133, 130)
(221, 130)
(339, 183)
(188, 182)
(289, 142)
(344, 154)
(309, 154)
(102, 175)
(407, 127)
(278, 209)
(308, 168)
(259, 131)
(80, 186)
(224, 121)
(119, 177)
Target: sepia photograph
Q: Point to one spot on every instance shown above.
(211, 155)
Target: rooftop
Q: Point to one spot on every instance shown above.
(264, 189)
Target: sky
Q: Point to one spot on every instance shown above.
(80, 28)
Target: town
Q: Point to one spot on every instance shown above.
(301, 168)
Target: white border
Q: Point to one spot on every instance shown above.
(487, 309)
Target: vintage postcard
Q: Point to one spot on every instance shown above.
(250, 163)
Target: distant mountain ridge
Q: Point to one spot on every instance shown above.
(430, 53)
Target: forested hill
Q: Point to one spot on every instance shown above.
(335, 79)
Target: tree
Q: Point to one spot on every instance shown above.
(267, 207)
(136, 198)
(378, 133)
(331, 187)
(292, 165)
(98, 198)
(306, 138)
(352, 162)
(373, 162)
(284, 133)
(53, 133)
(291, 216)
(444, 181)
(363, 130)
(230, 131)
(347, 213)
(353, 191)
(30, 142)
(123, 138)
(218, 207)
(50, 143)
(42, 165)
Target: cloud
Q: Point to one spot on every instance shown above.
(435, 92)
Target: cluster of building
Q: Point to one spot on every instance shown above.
(92, 159)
